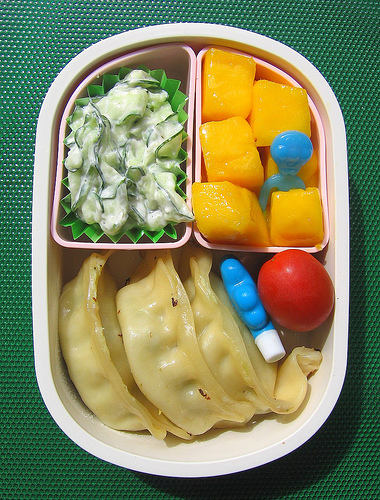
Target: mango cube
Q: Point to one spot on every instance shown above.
(230, 153)
(309, 172)
(296, 218)
(269, 165)
(277, 108)
(229, 214)
(227, 82)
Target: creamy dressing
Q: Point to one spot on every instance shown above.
(123, 158)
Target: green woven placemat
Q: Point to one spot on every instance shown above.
(38, 38)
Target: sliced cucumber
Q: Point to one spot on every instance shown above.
(170, 147)
(167, 183)
(124, 156)
(135, 173)
(140, 78)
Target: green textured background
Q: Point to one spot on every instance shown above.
(38, 38)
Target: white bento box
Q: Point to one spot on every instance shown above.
(53, 264)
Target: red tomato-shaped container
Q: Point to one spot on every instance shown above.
(296, 290)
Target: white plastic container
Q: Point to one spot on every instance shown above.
(218, 452)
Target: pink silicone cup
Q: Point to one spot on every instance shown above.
(179, 62)
(264, 70)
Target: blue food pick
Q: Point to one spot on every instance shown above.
(244, 297)
(290, 150)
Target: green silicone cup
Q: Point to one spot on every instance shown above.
(177, 100)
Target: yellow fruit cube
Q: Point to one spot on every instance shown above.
(308, 173)
(313, 180)
(230, 153)
(296, 218)
(229, 214)
(269, 165)
(227, 82)
(277, 108)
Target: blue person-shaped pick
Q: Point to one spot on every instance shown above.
(290, 150)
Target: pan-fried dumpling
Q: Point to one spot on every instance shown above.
(219, 337)
(111, 329)
(266, 372)
(158, 331)
(92, 347)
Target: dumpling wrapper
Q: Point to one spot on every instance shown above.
(92, 346)
(159, 338)
(291, 383)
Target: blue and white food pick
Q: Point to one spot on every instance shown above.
(290, 150)
(244, 297)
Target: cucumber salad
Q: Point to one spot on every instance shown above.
(123, 158)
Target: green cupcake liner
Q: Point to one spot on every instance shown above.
(177, 100)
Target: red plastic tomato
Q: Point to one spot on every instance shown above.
(296, 290)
